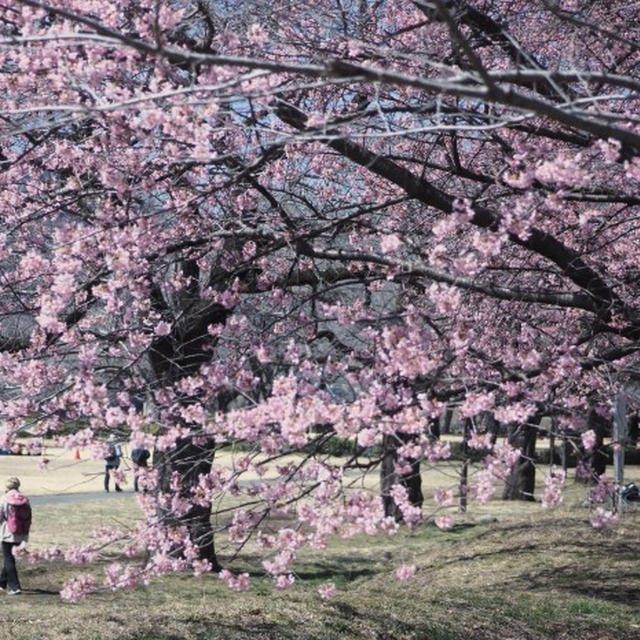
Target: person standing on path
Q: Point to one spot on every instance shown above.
(15, 519)
(112, 460)
(140, 457)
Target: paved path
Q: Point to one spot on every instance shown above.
(87, 496)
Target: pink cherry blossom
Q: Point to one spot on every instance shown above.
(443, 498)
(405, 572)
(241, 244)
(327, 590)
(238, 582)
(390, 243)
(552, 494)
(444, 521)
(163, 329)
(601, 518)
(588, 439)
(77, 588)
(284, 581)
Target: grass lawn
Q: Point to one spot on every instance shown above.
(533, 574)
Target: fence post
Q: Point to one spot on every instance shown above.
(553, 426)
(619, 441)
(464, 471)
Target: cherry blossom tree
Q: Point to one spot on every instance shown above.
(283, 223)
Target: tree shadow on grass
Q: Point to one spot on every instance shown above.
(586, 581)
(342, 621)
(41, 592)
(480, 555)
(340, 569)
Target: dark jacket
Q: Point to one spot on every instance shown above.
(115, 453)
(140, 456)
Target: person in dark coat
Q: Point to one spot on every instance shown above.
(140, 459)
(112, 460)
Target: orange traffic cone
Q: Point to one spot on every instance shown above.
(76, 455)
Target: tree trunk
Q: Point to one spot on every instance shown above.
(188, 461)
(446, 421)
(433, 430)
(520, 484)
(493, 426)
(388, 476)
(173, 357)
(564, 453)
(594, 462)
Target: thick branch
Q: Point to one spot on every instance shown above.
(545, 245)
(576, 300)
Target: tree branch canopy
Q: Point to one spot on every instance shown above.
(269, 229)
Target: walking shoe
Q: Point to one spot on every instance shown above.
(14, 592)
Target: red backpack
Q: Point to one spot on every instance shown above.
(19, 519)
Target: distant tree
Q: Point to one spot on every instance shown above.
(520, 483)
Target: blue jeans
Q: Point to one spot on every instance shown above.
(9, 575)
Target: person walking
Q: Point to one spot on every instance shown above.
(112, 460)
(15, 519)
(139, 457)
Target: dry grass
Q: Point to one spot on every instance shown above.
(62, 475)
(533, 575)
(66, 474)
